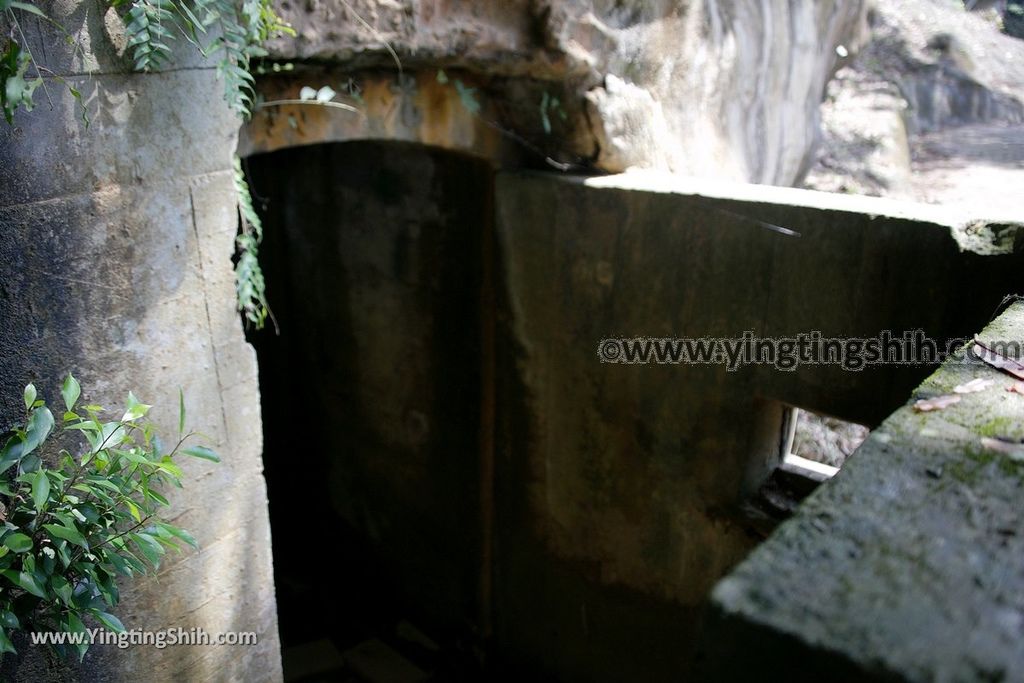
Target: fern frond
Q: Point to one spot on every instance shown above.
(239, 28)
(250, 288)
(245, 205)
(150, 29)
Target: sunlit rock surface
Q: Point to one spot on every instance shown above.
(723, 89)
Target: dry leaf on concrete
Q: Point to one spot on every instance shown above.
(974, 385)
(926, 405)
(1010, 448)
(998, 360)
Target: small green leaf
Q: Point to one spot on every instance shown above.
(9, 620)
(30, 395)
(19, 543)
(119, 564)
(63, 554)
(62, 588)
(134, 509)
(68, 534)
(167, 465)
(40, 422)
(110, 435)
(40, 489)
(180, 533)
(107, 586)
(201, 452)
(32, 9)
(150, 548)
(75, 625)
(467, 96)
(134, 456)
(135, 563)
(24, 581)
(181, 412)
(70, 391)
(134, 410)
(11, 453)
(98, 480)
(30, 463)
(109, 620)
(154, 495)
(5, 643)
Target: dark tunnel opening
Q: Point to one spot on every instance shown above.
(371, 397)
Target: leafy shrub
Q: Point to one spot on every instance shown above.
(69, 531)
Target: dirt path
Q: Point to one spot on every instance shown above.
(980, 165)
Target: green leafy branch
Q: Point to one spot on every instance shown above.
(69, 531)
(250, 288)
(17, 85)
(233, 31)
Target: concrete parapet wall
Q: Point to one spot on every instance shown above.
(904, 567)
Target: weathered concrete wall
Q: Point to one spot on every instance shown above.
(728, 89)
(905, 567)
(422, 111)
(617, 490)
(115, 264)
(619, 487)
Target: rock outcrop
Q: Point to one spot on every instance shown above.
(952, 67)
(931, 109)
(727, 89)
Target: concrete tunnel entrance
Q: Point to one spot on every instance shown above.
(434, 415)
(392, 394)
(371, 393)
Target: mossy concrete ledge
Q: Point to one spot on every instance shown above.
(909, 564)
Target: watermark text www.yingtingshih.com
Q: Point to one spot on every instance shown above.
(912, 347)
(159, 639)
